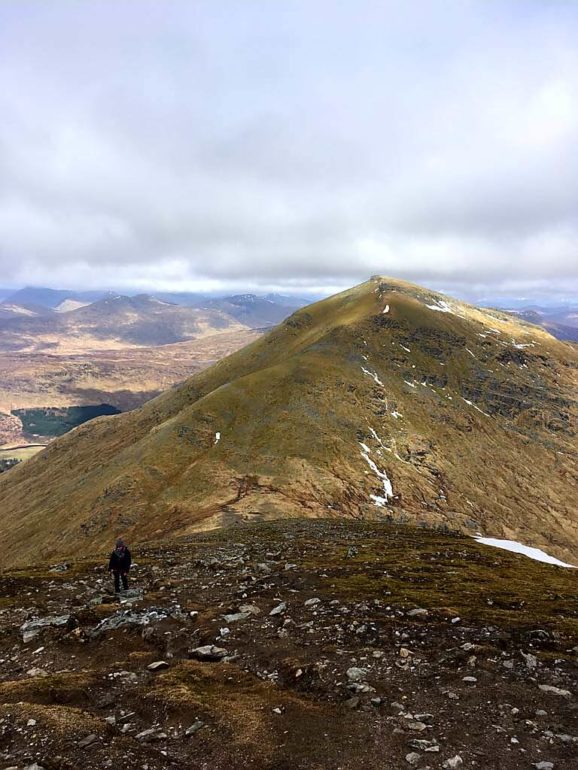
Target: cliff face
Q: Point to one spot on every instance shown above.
(387, 400)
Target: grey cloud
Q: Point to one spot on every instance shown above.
(304, 144)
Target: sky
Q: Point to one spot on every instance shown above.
(299, 146)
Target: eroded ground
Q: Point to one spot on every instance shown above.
(387, 648)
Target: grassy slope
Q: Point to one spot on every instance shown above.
(291, 409)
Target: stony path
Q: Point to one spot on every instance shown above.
(303, 645)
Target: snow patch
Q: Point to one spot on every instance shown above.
(373, 375)
(441, 306)
(396, 414)
(387, 488)
(386, 309)
(217, 437)
(475, 407)
(526, 550)
(404, 347)
(411, 384)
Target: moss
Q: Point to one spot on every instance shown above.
(55, 688)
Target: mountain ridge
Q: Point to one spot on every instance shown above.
(387, 400)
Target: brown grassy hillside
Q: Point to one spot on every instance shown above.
(387, 400)
(125, 378)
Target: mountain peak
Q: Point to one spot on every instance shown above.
(386, 400)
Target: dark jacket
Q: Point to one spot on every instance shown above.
(120, 560)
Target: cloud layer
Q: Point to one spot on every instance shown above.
(302, 144)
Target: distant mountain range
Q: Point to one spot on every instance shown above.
(69, 322)
(387, 401)
(51, 299)
(560, 322)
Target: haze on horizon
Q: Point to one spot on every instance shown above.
(303, 146)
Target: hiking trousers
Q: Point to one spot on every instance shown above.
(118, 576)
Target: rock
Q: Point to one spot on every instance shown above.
(34, 766)
(131, 595)
(355, 674)
(353, 703)
(423, 745)
(132, 618)
(544, 766)
(412, 758)
(32, 628)
(158, 665)
(470, 679)
(417, 612)
(236, 616)
(31, 723)
(37, 672)
(250, 609)
(312, 602)
(453, 763)
(404, 652)
(555, 690)
(87, 741)
(208, 652)
(531, 660)
(415, 724)
(194, 728)
(279, 609)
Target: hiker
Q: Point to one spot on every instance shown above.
(119, 565)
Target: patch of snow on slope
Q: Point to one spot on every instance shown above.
(404, 347)
(373, 375)
(217, 437)
(526, 550)
(470, 352)
(441, 306)
(396, 414)
(411, 384)
(386, 309)
(475, 407)
(387, 488)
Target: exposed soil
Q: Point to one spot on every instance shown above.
(396, 647)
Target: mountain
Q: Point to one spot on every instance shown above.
(11, 310)
(386, 401)
(4, 293)
(51, 298)
(251, 310)
(288, 300)
(562, 323)
(113, 322)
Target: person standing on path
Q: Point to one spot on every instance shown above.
(119, 565)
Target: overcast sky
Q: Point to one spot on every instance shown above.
(302, 145)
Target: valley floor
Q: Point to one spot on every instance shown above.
(331, 645)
